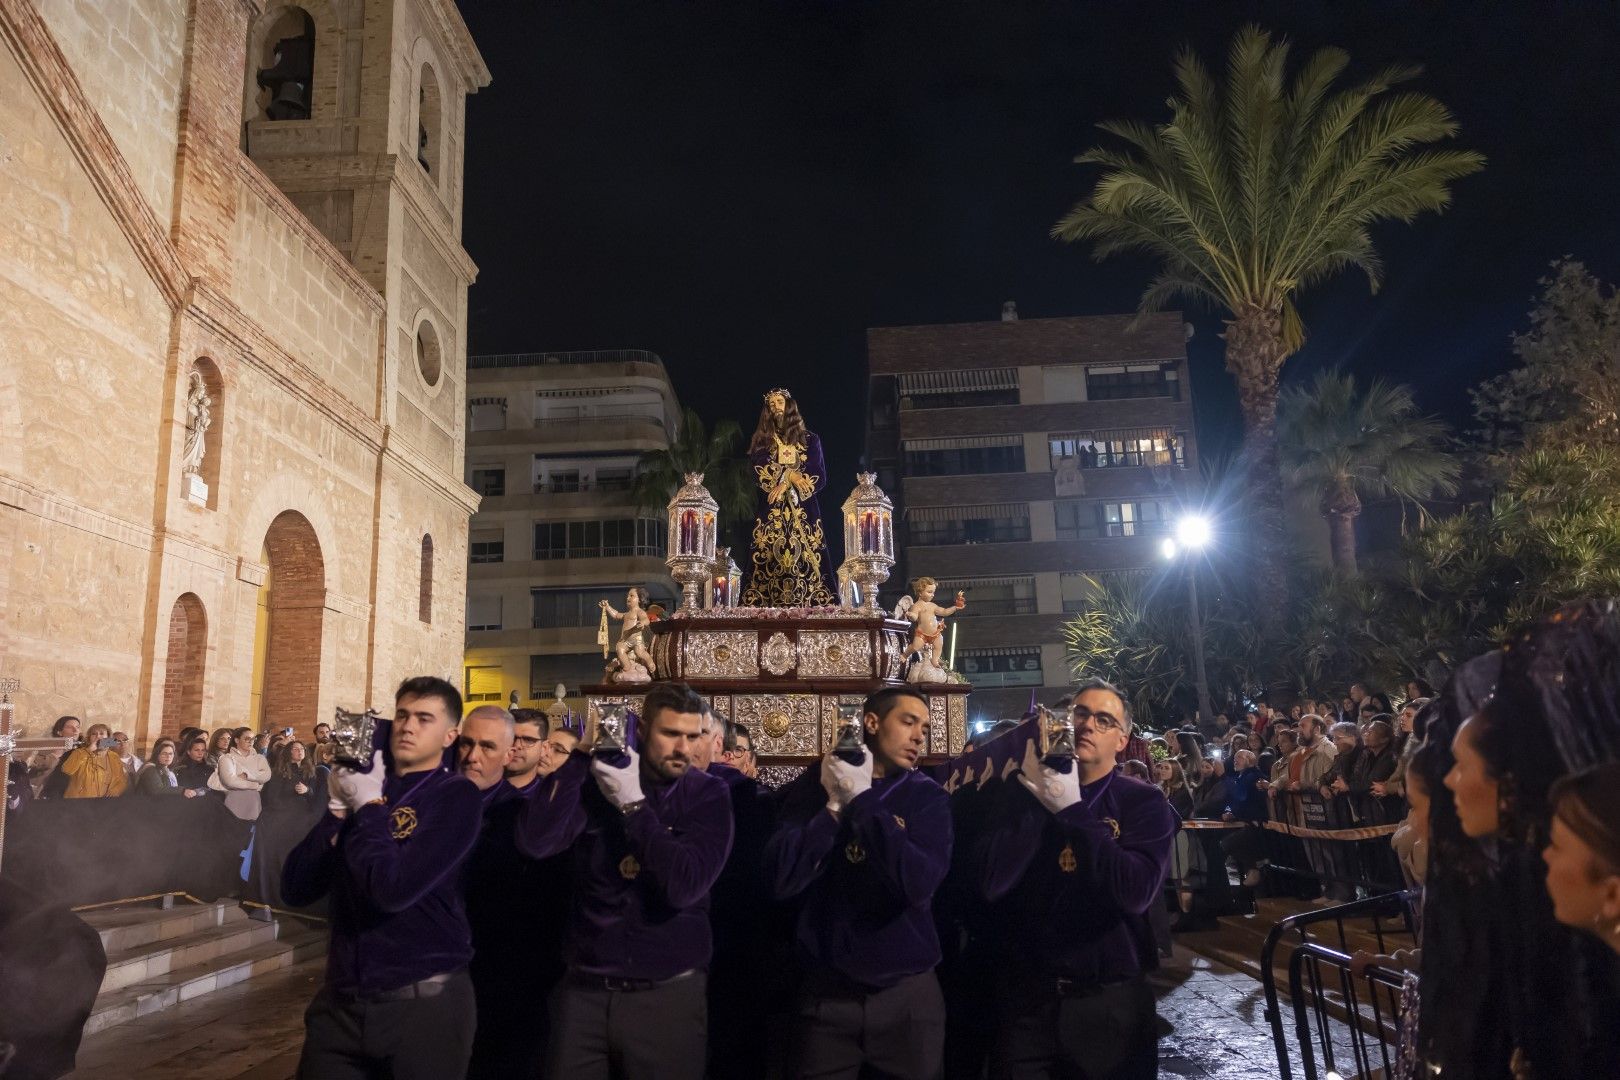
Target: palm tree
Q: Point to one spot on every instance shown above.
(715, 454)
(1341, 444)
(1255, 190)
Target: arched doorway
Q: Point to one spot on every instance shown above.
(287, 639)
(183, 671)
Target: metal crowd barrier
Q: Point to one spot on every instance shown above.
(1368, 1020)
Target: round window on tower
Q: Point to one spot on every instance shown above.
(429, 359)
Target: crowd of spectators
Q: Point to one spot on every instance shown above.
(241, 766)
(1318, 764)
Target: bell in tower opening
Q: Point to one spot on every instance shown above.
(290, 74)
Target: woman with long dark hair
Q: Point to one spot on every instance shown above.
(294, 798)
(1555, 707)
(1583, 853)
(194, 768)
(157, 777)
(1462, 1015)
(220, 744)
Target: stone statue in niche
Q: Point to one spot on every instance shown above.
(199, 417)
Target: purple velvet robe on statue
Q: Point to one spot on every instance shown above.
(815, 465)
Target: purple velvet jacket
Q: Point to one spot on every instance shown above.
(641, 883)
(1070, 888)
(516, 905)
(395, 882)
(867, 878)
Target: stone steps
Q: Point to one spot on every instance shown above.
(159, 957)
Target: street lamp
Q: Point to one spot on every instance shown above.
(1192, 534)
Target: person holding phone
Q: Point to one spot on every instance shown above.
(94, 769)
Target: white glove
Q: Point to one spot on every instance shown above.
(348, 789)
(621, 785)
(1054, 790)
(844, 781)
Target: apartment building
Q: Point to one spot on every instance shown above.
(552, 445)
(1023, 455)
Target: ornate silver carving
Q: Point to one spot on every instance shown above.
(720, 654)
(957, 723)
(838, 653)
(776, 655)
(663, 654)
(762, 713)
(894, 652)
(629, 701)
(936, 724)
(775, 776)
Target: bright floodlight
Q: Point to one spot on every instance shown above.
(1193, 531)
(1169, 548)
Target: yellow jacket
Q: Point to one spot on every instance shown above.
(94, 774)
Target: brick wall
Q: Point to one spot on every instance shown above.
(185, 669)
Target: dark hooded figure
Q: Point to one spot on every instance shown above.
(1554, 708)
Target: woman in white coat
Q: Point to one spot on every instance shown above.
(241, 775)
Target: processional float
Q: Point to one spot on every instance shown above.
(789, 648)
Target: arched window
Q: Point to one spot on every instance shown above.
(281, 66)
(424, 603)
(428, 130)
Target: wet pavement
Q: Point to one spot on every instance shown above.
(1218, 1023)
(253, 1031)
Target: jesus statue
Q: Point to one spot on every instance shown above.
(789, 551)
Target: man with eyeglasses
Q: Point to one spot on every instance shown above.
(740, 754)
(1072, 862)
(560, 742)
(528, 739)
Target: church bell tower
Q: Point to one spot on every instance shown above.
(355, 109)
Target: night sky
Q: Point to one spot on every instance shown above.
(745, 188)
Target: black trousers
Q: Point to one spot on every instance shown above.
(654, 1034)
(425, 1038)
(897, 1033)
(512, 1022)
(1106, 1034)
(740, 1003)
(1246, 846)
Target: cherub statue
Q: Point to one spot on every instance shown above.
(634, 663)
(929, 619)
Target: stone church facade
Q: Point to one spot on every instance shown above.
(233, 306)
